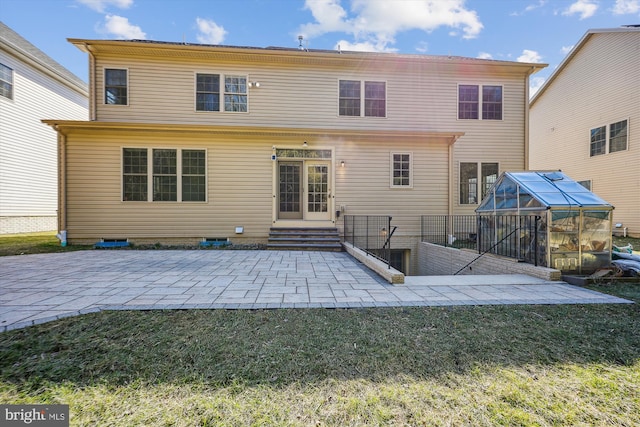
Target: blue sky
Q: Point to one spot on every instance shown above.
(515, 30)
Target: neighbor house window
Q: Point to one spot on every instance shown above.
(401, 170)
(6, 81)
(209, 93)
(586, 184)
(169, 175)
(115, 87)
(352, 103)
(480, 102)
(598, 141)
(616, 134)
(470, 192)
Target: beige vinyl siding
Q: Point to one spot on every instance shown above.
(598, 87)
(423, 97)
(239, 181)
(28, 156)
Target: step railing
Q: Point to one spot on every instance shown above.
(371, 234)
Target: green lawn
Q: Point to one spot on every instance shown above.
(477, 366)
(502, 365)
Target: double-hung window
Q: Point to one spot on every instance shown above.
(209, 93)
(115, 87)
(470, 192)
(479, 102)
(401, 170)
(6, 81)
(614, 136)
(169, 175)
(352, 103)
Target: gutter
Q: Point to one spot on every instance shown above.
(62, 179)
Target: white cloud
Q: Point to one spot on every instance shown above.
(584, 8)
(529, 56)
(566, 49)
(530, 8)
(210, 32)
(535, 83)
(363, 46)
(376, 22)
(623, 7)
(121, 28)
(101, 5)
(485, 55)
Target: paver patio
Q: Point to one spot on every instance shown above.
(40, 288)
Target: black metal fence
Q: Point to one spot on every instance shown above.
(370, 233)
(522, 237)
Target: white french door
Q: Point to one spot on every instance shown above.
(304, 190)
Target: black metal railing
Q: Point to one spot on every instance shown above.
(370, 233)
(515, 236)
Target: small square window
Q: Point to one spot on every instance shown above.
(401, 170)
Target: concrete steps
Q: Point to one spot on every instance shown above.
(304, 239)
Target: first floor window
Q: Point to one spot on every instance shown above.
(401, 170)
(134, 178)
(6, 81)
(470, 175)
(168, 175)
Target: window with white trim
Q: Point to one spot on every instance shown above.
(470, 175)
(116, 86)
(168, 175)
(479, 102)
(352, 103)
(401, 170)
(6, 81)
(233, 93)
(609, 138)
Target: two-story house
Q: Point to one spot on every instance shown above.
(585, 120)
(187, 141)
(32, 87)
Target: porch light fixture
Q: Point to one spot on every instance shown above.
(305, 145)
(342, 164)
(254, 84)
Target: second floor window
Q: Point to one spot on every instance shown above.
(115, 87)
(351, 102)
(479, 102)
(209, 94)
(6, 81)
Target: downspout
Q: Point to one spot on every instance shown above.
(526, 118)
(93, 113)
(451, 181)
(62, 179)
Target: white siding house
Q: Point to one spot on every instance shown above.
(32, 87)
(585, 120)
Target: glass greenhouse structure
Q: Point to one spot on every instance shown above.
(572, 231)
